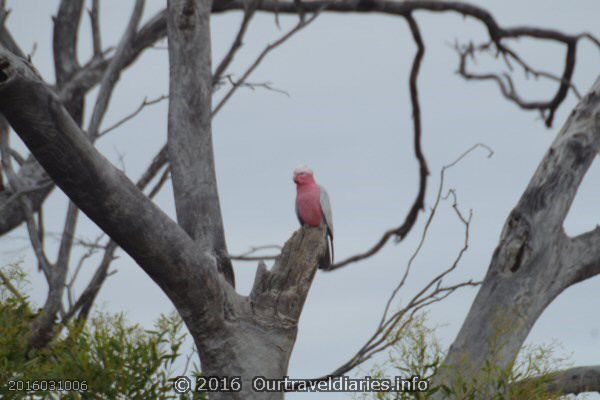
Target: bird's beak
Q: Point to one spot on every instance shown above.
(294, 179)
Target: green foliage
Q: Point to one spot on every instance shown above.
(419, 352)
(116, 359)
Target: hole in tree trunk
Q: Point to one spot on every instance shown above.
(3, 75)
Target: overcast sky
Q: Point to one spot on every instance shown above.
(348, 117)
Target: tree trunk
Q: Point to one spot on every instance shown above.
(535, 260)
(190, 144)
(259, 330)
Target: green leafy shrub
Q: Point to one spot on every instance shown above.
(115, 358)
(419, 352)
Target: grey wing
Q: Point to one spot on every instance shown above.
(326, 207)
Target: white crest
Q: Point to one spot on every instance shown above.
(302, 168)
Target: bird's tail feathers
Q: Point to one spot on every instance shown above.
(328, 257)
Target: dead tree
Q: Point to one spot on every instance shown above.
(188, 259)
(535, 260)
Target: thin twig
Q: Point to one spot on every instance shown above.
(94, 14)
(247, 256)
(237, 43)
(252, 85)
(508, 52)
(547, 108)
(434, 209)
(15, 183)
(138, 110)
(113, 71)
(302, 23)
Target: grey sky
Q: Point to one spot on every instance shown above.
(348, 117)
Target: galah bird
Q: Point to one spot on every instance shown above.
(313, 208)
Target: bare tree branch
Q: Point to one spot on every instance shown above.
(165, 251)
(43, 325)
(113, 72)
(507, 86)
(65, 54)
(254, 85)
(17, 186)
(237, 43)
(82, 81)
(92, 73)
(145, 103)
(430, 219)
(189, 141)
(508, 54)
(496, 32)
(302, 23)
(570, 381)
(409, 221)
(85, 301)
(584, 250)
(68, 234)
(92, 248)
(6, 38)
(94, 14)
(66, 27)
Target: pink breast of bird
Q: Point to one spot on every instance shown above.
(308, 201)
